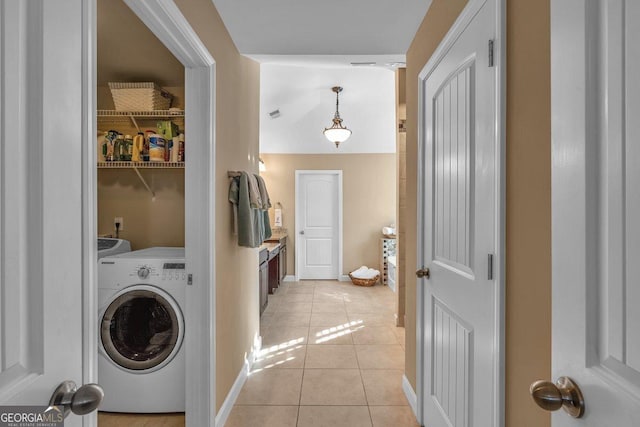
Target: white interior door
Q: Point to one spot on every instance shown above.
(43, 121)
(596, 207)
(318, 206)
(459, 175)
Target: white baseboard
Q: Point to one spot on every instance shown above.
(344, 278)
(232, 396)
(410, 395)
(289, 278)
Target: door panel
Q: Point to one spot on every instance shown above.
(620, 231)
(318, 213)
(459, 229)
(41, 199)
(451, 367)
(596, 203)
(453, 162)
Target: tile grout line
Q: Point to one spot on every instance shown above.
(364, 389)
(304, 365)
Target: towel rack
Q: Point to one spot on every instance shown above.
(233, 174)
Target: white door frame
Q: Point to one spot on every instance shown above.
(465, 17)
(166, 21)
(89, 204)
(338, 173)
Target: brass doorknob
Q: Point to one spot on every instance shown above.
(423, 272)
(563, 394)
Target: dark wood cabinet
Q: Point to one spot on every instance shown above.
(283, 261)
(264, 279)
(274, 267)
(282, 264)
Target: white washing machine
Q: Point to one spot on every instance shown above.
(141, 363)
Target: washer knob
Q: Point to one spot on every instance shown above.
(143, 272)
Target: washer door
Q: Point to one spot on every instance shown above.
(142, 329)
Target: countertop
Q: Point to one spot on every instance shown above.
(269, 246)
(278, 236)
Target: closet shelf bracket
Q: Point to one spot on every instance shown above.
(144, 182)
(135, 123)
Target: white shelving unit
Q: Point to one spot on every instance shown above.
(387, 248)
(155, 114)
(113, 116)
(141, 165)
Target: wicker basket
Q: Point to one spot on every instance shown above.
(364, 282)
(139, 96)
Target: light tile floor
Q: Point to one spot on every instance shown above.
(332, 356)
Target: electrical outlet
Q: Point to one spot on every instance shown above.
(118, 220)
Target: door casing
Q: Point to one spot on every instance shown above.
(166, 21)
(499, 57)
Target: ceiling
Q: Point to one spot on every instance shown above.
(306, 103)
(329, 27)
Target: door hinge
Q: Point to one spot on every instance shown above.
(189, 279)
(490, 53)
(490, 267)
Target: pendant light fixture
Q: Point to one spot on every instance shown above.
(337, 133)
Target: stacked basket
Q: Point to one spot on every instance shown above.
(145, 96)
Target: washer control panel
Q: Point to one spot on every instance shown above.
(174, 271)
(163, 270)
(153, 266)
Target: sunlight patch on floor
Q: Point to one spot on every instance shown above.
(334, 332)
(277, 350)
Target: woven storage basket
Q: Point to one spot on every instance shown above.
(139, 96)
(364, 282)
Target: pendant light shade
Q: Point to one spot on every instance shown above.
(337, 133)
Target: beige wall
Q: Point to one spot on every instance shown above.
(528, 299)
(528, 316)
(237, 121)
(369, 196)
(147, 222)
